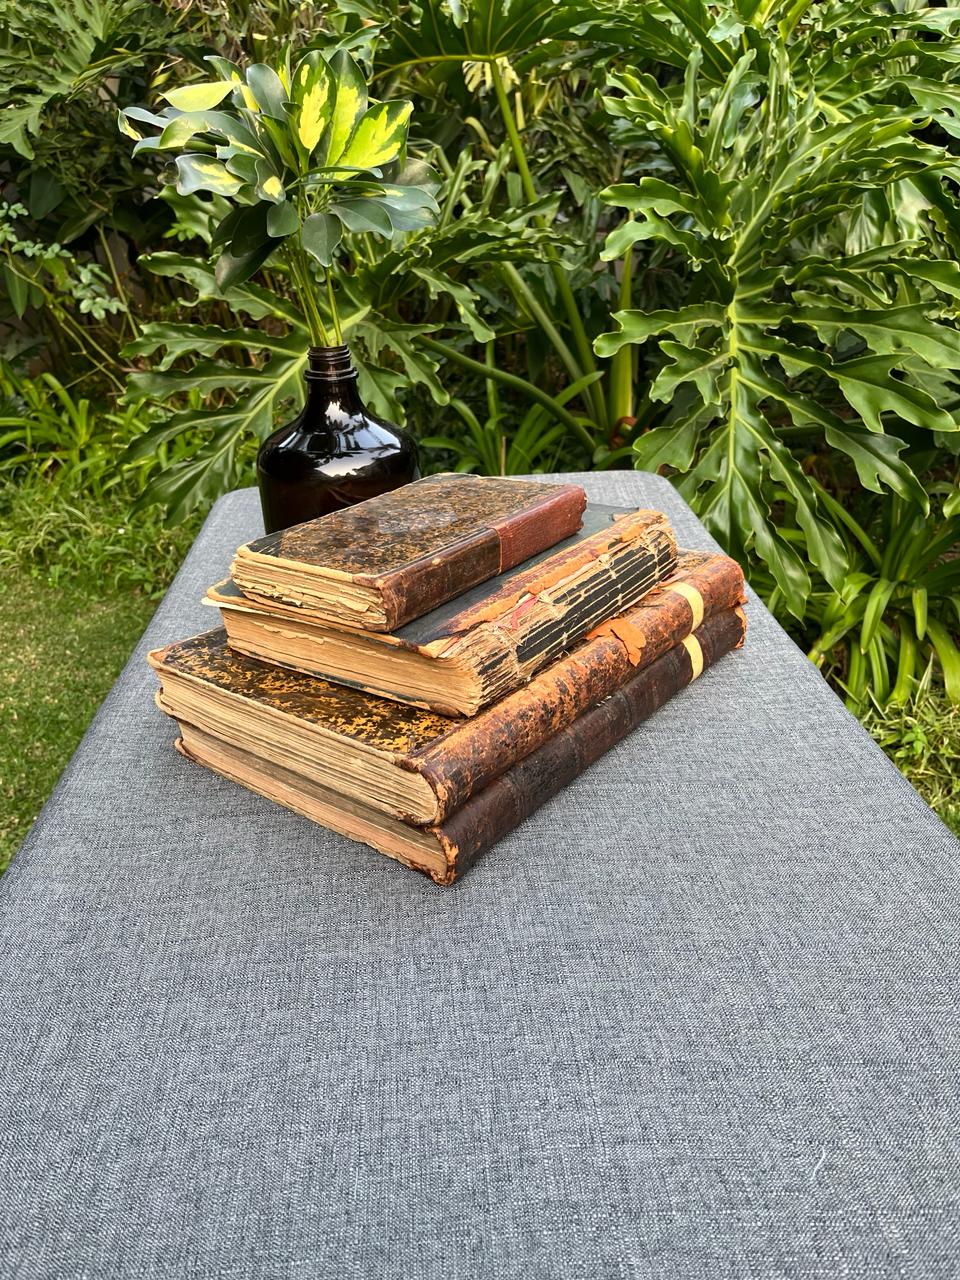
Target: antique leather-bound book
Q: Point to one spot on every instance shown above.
(485, 643)
(377, 565)
(445, 850)
(413, 764)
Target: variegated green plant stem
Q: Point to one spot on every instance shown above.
(621, 364)
(303, 284)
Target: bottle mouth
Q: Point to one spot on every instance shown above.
(328, 363)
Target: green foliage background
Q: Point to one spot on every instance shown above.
(715, 240)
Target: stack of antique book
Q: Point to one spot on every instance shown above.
(420, 672)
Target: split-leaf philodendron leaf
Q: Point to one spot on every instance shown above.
(778, 343)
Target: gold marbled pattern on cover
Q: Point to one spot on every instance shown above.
(409, 524)
(377, 722)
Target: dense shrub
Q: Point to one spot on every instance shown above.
(717, 240)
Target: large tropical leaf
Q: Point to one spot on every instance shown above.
(780, 342)
(438, 31)
(51, 53)
(249, 378)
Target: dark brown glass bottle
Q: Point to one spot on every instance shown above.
(335, 453)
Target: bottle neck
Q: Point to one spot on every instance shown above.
(331, 376)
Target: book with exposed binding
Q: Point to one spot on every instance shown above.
(487, 642)
(377, 565)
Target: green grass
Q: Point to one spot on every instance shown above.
(61, 648)
(923, 741)
(79, 581)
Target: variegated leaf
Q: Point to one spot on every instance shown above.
(126, 128)
(181, 129)
(199, 97)
(313, 93)
(349, 106)
(380, 135)
(269, 185)
(201, 173)
(225, 69)
(139, 115)
(268, 90)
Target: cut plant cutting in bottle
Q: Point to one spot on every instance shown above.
(302, 153)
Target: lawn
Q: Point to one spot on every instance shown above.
(62, 646)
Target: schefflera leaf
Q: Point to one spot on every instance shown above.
(282, 220)
(349, 106)
(333, 121)
(364, 215)
(247, 241)
(379, 137)
(199, 97)
(304, 154)
(202, 173)
(320, 236)
(313, 95)
(268, 89)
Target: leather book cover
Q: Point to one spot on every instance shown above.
(453, 759)
(474, 752)
(515, 795)
(419, 545)
(444, 851)
(492, 638)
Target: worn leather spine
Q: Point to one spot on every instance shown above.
(474, 752)
(504, 543)
(509, 800)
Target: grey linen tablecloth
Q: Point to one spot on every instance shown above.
(697, 1018)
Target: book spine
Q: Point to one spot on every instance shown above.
(523, 533)
(518, 646)
(425, 584)
(475, 752)
(512, 798)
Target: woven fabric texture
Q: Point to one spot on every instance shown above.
(697, 1018)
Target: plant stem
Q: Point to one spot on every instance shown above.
(581, 341)
(64, 322)
(493, 400)
(333, 309)
(519, 384)
(303, 283)
(526, 299)
(843, 515)
(117, 284)
(621, 366)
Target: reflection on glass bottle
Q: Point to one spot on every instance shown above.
(335, 453)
